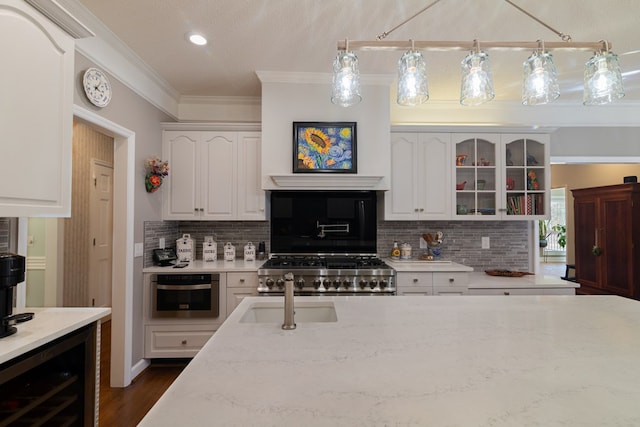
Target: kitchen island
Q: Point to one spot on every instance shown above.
(406, 361)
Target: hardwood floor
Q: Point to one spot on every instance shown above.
(124, 407)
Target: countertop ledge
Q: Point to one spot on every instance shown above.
(48, 324)
(481, 280)
(199, 266)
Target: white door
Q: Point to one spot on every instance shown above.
(101, 232)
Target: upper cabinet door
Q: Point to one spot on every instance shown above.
(36, 118)
(476, 164)
(401, 199)
(251, 197)
(181, 191)
(219, 159)
(527, 177)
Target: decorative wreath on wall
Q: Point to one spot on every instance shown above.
(156, 171)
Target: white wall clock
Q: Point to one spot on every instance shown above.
(97, 87)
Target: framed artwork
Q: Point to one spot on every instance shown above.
(322, 147)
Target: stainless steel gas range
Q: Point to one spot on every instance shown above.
(327, 275)
(327, 240)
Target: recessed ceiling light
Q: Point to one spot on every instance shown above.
(196, 38)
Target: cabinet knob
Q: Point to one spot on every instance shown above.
(451, 280)
(506, 293)
(421, 209)
(184, 342)
(241, 280)
(415, 280)
(415, 210)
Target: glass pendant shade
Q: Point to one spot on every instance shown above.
(477, 86)
(346, 80)
(412, 79)
(540, 84)
(602, 79)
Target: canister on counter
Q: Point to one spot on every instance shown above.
(229, 252)
(405, 251)
(249, 252)
(209, 249)
(184, 248)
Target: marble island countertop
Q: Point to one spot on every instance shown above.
(407, 361)
(48, 324)
(426, 266)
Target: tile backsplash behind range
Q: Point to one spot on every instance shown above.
(462, 239)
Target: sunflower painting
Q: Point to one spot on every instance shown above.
(324, 147)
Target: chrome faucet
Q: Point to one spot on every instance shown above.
(289, 322)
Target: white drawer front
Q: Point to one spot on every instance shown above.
(175, 341)
(450, 290)
(242, 280)
(414, 279)
(450, 279)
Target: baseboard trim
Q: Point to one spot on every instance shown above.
(139, 367)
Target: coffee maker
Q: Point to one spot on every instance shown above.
(11, 273)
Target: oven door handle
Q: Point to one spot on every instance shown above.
(183, 287)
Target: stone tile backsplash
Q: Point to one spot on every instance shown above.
(462, 239)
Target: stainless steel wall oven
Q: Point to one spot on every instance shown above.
(185, 295)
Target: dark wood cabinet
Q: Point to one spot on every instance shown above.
(607, 234)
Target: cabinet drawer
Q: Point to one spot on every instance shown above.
(523, 291)
(176, 341)
(242, 280)
(450, 290)
(414, 279)
(415, 292)
(450, 279)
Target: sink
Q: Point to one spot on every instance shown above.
(305, 312)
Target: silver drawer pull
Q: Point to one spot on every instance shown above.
(183, 287)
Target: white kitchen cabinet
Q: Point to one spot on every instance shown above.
(450, 283)
(36, 118)
(239, 286)
(432, 283)
(215, 175)
(167, 341)
(477, 177)
(414, 283)
(420, 177)
(501, 176)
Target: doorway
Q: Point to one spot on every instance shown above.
(101, 234)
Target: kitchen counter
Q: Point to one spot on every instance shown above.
(426, 266)
(200, 266)
(48, 324)
(406, 361)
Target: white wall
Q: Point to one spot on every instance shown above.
(285, 103)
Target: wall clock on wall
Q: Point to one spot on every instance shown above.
(97, 87)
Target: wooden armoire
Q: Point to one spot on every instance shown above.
(607, 239)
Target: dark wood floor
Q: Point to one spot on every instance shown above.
(124, 407)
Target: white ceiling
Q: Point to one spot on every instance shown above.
(300, 36)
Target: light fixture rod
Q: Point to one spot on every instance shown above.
(469, 45)
(386, 33)
(564, 37)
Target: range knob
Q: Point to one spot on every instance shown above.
(373, 284)
(300, 283)
(317, 283)
(346, 283)
(270, 283)
(363, 284)
(383, 284)
(336, 283)
(280, 283)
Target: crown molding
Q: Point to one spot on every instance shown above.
(62, 17)
(220, 100)
(110, 53)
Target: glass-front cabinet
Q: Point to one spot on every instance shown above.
(477, 175)
(501, 176)
(526, 169)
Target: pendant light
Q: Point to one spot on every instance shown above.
(477, 85)
(412, 79)
(602, 78)
(346, 79)
(540, 82)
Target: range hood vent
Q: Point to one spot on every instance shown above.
(327, 182)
